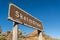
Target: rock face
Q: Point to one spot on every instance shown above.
(32, 36)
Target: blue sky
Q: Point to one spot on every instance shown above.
(48, 11)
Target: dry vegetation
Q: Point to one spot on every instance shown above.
(32, 36)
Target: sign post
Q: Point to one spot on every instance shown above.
(15, 31)
(40, 35)
(17, 15)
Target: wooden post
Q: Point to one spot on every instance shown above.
(40, 35)
(15, 31)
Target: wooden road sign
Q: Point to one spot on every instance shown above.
(18, 15)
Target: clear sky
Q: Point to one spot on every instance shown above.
(48, 11)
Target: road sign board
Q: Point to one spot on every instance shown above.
(18, 15)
